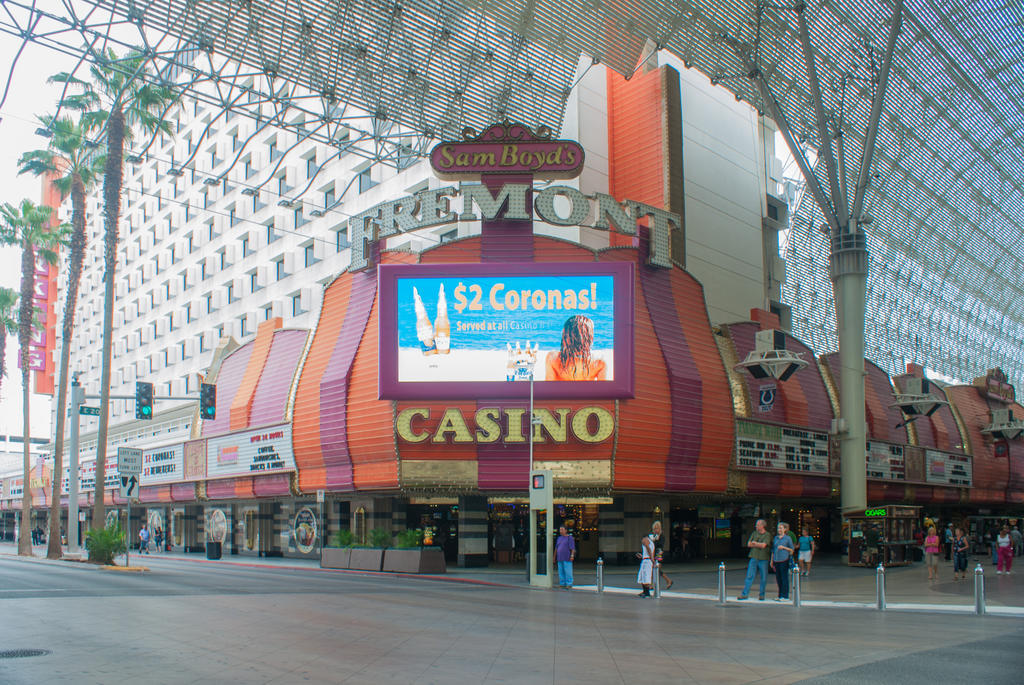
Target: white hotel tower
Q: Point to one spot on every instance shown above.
(212, 247)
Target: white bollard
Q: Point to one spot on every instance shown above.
(721, 582)
(880, 587)
(600, 575)
(979, 589)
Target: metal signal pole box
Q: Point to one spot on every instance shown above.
(541, 503)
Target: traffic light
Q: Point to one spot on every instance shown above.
(143, 400)
(207, 401)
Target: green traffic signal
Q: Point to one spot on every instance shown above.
(208, 401)
(143, 400)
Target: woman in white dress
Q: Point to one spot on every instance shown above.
(646, 573)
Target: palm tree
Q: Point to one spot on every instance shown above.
(120, 97)
(8, 324)
(73, 165)
(30, 227)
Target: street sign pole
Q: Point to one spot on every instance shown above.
(129, 469)
(74, 526)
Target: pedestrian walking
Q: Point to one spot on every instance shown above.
(645, 575)
(806, 551)
(144, 540)
(565, 554)
(158, 538)
(947, 540)
(1005, 551)
(782, 555)
(760, 551)
(931, 554)
(1018, 541)
(960, 547)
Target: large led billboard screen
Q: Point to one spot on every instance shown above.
(465, 331)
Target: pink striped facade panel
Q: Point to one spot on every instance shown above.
(232, 370)
(270, 401)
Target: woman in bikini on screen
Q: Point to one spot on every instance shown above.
(573, 362)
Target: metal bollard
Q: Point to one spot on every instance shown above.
(880, 587)
(794, 583)
(979, 589)
(721, 582)
(600, 574)
(657, 579)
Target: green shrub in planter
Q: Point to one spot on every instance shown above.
(105, 544)
(343, 538)
(380, 537)
(410, 538)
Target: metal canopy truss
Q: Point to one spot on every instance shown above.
(946, 184)
(398, 74)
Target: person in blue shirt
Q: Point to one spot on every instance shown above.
(782, 555)
(805, 551)
(565, 554)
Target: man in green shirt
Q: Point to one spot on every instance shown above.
(760, 544)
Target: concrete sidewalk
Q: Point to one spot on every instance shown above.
(830, 583)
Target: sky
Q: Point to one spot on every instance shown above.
(28, 96)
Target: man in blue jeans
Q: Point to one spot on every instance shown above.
(565, 553)
(760, 544)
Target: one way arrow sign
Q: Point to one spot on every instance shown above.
(130, 487)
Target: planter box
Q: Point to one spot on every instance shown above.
(416, 560)
(335, 557)
(366, 559)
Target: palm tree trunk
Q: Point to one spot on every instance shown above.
(112, 173)
(28, 273)
(77, 254)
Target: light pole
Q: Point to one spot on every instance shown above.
(523, 362)
(77, 400)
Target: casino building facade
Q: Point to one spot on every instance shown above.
(383, 413)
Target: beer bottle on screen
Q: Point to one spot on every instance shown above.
(510, 367)
(424, 331)
(442, 329)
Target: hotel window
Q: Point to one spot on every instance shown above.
(243, 324)
(279, 272)
(450, 235)
(309, 255)
(254, 281)
(297, 305)
(365, 181)
(300, 220)
(341, 241)
(311, 167)
(329, 197)
(271, 233)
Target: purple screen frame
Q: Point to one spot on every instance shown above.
(390, 388)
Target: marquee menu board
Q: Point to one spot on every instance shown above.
(942, 468)
(768, 447)
(250, 453)
(885, 461)
(162, 464)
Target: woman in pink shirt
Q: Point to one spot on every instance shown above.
(931, 553)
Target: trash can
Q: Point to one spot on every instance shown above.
(213, 550)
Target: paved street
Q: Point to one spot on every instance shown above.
(189, 621)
